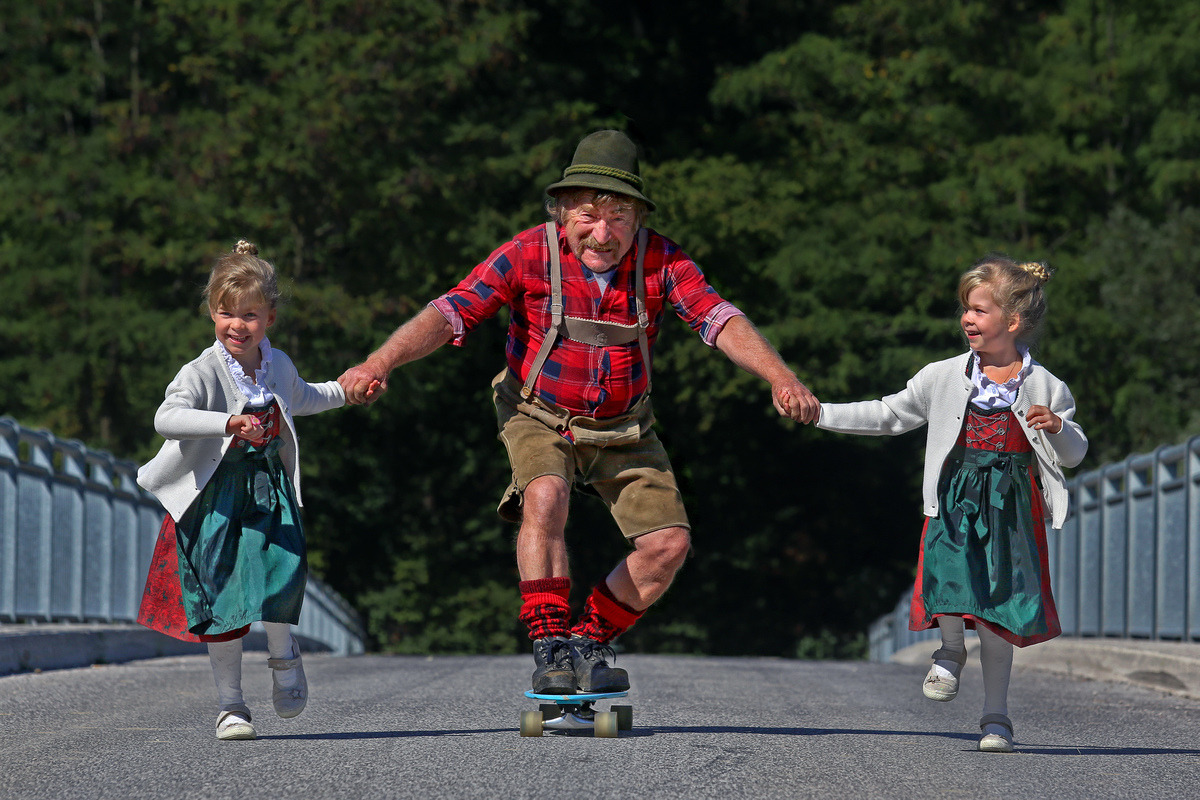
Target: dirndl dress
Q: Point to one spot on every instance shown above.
(984, 556)
(237, 555)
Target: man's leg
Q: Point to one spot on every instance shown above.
(542, 541)
(647, 572)
(618, 601)
(545, 585)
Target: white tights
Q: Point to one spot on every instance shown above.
(226, 660)
(995, 658)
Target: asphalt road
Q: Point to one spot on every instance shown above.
(446, 727)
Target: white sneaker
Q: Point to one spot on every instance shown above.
(941, 683)
(234, 723)
(291, 699)
(997, 734)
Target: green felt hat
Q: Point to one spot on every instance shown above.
(606, 161)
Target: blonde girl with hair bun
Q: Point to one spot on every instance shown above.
(231, 550)
(1000, 430)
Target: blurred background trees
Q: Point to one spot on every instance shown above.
(832, 166)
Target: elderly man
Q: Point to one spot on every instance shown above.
(587, 293)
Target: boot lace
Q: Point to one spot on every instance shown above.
(555, 652)
(595, 652)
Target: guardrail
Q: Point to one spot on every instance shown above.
(77, 534)
(1126, 563)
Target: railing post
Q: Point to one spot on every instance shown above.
(128, 579)
(1092, 576)
(98, 538)
(66, 598)
(1115, 551)
(1064, 564)
(1193, 538)
(34, 526)
(9, 467)
(1170, 596)
(1140, 496)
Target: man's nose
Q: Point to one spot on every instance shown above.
(600, 232)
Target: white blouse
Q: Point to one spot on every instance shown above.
(988, 394)
(256, 392)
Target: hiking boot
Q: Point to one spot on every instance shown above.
(554, 673)
(592, 672)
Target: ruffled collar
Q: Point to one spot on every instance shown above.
(256, 392)
(989, 394)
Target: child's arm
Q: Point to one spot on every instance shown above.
(304, 398)
(895, 414)
(184, 413)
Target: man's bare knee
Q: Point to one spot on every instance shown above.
(666, 546)
(545, 500)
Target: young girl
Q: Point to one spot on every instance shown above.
(1000, 432)
(231, 550)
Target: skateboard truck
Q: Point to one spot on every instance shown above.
(574, 712)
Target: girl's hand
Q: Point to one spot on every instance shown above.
(246, 426)
(1042, 418)
(797, 403)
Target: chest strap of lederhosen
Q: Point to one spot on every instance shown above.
(589, 331)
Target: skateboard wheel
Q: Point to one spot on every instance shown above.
(605, 725)
(624, 717)
(531, 723)
(550, 710)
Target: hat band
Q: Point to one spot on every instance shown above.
(608, 172)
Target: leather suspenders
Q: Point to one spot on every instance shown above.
(590, 331)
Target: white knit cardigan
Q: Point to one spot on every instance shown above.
(938, 396)
(198, 404)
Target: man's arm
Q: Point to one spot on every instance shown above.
(417, 338)
(749, 349)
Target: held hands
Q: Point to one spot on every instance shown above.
(794, 401)
(363, 384)
(246, 426)
(1042, 418)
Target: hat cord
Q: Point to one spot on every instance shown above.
(608, 172)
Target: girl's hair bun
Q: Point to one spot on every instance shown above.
(1037, 269)
(245, 248)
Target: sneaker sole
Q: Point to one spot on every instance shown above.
(236, 734)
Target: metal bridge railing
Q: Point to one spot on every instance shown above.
(1126, 563)
(77, 534)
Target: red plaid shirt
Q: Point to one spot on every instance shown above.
(599, 382)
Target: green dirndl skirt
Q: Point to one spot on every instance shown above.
(242, 555)
(984, 556)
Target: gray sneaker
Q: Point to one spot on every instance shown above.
(592, 672)
(555, 673)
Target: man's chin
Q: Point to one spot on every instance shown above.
(596, 262)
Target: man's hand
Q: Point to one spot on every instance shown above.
(794, 401)
(363, 384)
(1042, 418)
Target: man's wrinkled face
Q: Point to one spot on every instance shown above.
(600, 236)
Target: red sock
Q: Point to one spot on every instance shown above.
(604, 617)
(544, 607)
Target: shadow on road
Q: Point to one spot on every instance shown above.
(638, 732)
(309, 737)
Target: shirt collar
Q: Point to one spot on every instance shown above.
(981, 379)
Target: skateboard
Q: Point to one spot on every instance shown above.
(574, 712)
